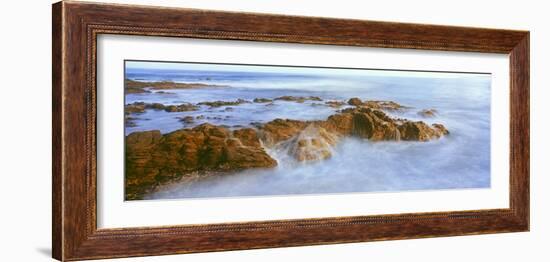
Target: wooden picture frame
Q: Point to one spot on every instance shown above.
(76, 26)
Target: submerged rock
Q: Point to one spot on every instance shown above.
(299, 99)
(181, 108)
(130, 121)
(420, 131)
(152, 158)
(164, 92)
(140, 107)
(135, 108)
(441, 128)
(187, 119)
(428, 112)
(355, 101)
(335, 104)
(262, 100)
(375, 104)
(385, 105)
(214, 117)
(224, 103)
(156, 106)
(132, 86)
(312, 143)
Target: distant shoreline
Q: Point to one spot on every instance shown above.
(136, 87)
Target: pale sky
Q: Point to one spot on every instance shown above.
(288, 70)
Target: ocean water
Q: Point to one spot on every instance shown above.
(460, 160)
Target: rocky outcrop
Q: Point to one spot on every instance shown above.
(312, 143)
(355, 101)
(335, 104)
(420, 131)
(187, 119)
(224, 103)
(359, 122)
(375, 104)
(262, 100)
(279, 130)
(362, 122)
(140, 107)
(130, 121)
(180, 108)
(299, 99)
(367, 123)
(152, 158)
(428, 112)
(131, 86)
(135, 108)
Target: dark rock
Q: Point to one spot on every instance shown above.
(335, 104)
(140, 107)
(130, 121)
(262, 100)
(131, 86)
(134, 108)
(156, 106)
(355, 101)
(224, 103)
(187, 119)
(441, 129)
(214, 117)
(299, 99)
(420, 131)
(181, 108)
(428, 113)
(373, 104)
(164, 92)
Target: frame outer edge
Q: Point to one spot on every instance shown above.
(519, 153)
(57, 122)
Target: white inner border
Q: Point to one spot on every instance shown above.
(114, 212)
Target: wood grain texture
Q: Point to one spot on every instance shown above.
(519, 129)
(57, 195)
(76, 26)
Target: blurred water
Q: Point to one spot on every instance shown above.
(460, 160)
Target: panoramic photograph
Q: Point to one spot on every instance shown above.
(207, 130)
